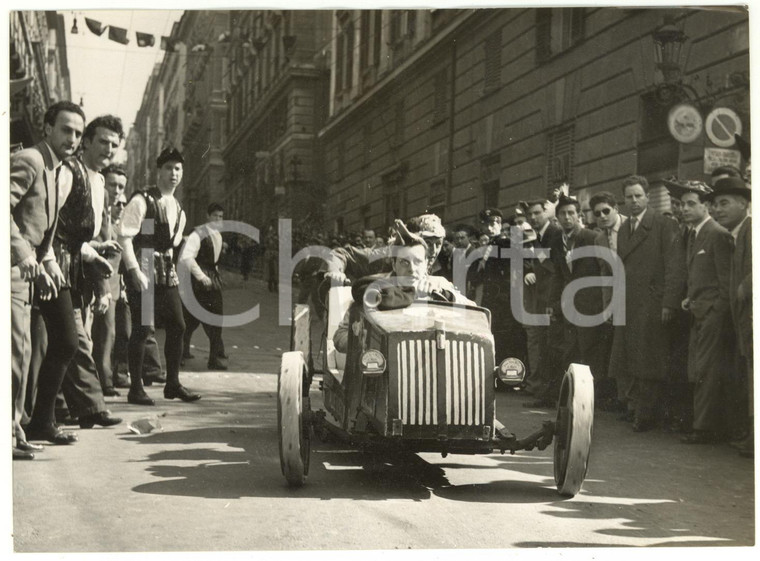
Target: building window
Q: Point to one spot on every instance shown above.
(558, 29)
(440, 95)
(344, 71)
(399, 122)
(437, 198)
(490, 179)
(492, 48)
(559, 156)
(366, 144)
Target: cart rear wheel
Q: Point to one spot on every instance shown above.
(295, 444)
(575, 423)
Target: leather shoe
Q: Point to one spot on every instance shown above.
(121, 381)
(187, 355)
(181, 392)
(222, 356)
(102, 418)
(51, 434)
(139, 399)
(19, 454)
(216, 365)
(699, 437)
(27, 446)
(111, 392)
(643, 425)
(150, 379)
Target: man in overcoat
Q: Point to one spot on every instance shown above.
(655, 270)
(731, 202)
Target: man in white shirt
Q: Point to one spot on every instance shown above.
(142, 245)
(201, 254)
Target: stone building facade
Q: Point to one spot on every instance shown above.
(39, 72)
(451, 111)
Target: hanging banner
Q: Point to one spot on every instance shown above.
(145, 39)
(118, 34)
(95, 26)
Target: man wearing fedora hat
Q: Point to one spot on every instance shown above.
(708, 254)
(731, 204)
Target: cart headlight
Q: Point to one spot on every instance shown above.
(373, 363)
(511, 371)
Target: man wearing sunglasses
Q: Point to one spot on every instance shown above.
(608, 221)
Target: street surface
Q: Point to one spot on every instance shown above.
(210, 480)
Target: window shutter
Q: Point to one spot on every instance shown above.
(493, 61)
(559, 156)
(543, 34)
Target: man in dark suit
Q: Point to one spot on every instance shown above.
(38, 188)
(731, 200)
(655, 269)
(609, 221)
(582, 344)
(543, 358)
(708, 255)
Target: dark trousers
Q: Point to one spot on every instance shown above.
(168, 308)
(81, 385)
(550, 364)
(152, 361)
(211, 301)
(21, 347)
(103, 338)
(39, 346)
(709, 353)
(62, 343)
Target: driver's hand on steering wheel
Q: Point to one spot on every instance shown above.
(338, 278)
(430, 285)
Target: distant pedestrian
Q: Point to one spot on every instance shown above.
(201, 254)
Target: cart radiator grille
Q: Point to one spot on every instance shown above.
(461, 382)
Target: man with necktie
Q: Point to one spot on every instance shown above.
(708, 255)
(655, 268)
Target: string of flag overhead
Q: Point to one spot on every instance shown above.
(121, 35)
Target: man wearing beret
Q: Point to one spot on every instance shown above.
(156, 207)
(708, 254)
(731, 203)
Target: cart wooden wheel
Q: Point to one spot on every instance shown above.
(575, 423)
(295, 442)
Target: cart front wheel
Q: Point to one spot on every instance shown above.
(295, 444)
(575, 423)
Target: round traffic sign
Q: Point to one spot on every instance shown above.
(721, 125)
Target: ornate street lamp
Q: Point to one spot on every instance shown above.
(668, 41)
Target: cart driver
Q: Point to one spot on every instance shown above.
(409, 281)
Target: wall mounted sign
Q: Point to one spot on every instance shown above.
(721, 125)
(716, 157)
(685, 123)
